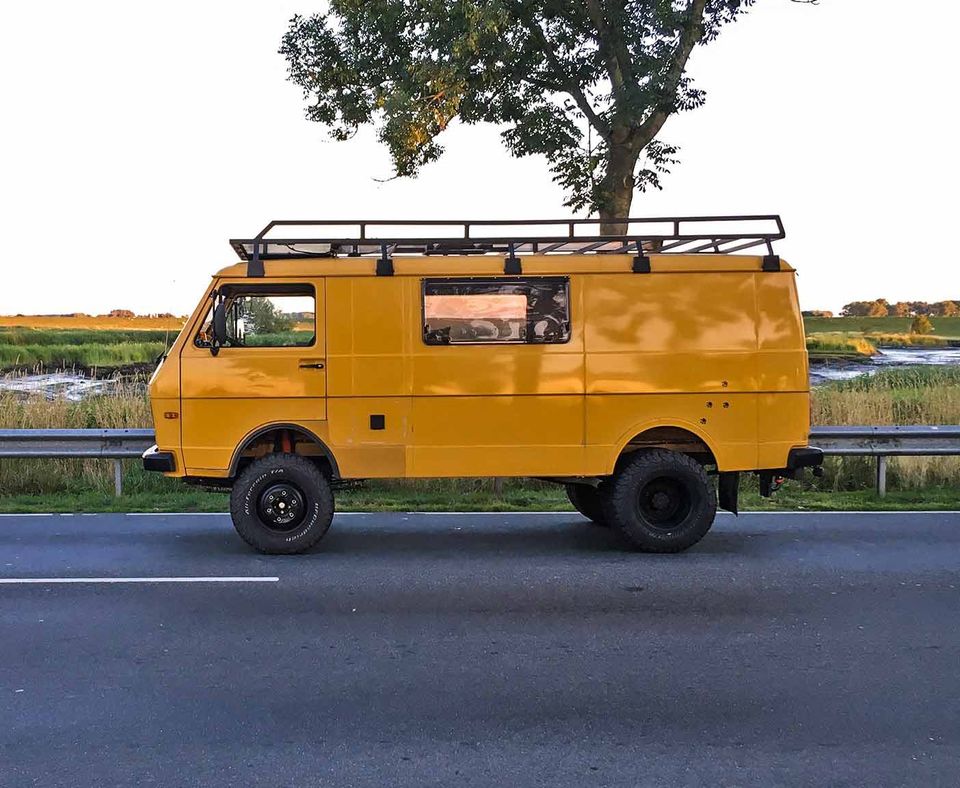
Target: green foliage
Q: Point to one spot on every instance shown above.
(263, 317)
(116, 354)
(282, 339)
(57, 336)
(921, 325)
(587, 85)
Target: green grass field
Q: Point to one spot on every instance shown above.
(56, 348)
(946, 327)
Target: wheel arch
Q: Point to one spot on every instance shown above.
(676, 435)
(261, 432)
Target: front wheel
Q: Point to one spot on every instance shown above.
(661, 500)
(281, 504)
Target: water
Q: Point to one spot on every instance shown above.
(73, 386)
(58, 385)
(885, 359)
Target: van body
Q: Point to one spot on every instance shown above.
(447, 366)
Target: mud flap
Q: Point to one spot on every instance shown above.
(728, 488)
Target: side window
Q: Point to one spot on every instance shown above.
(490, 311)
(278, 316)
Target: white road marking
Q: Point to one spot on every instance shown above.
(110, 580)
(832, 512)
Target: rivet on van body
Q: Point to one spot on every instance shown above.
(171, 414)
(726, 404)
(709, 404)
(724, 383)
(703, 421)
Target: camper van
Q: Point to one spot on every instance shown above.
(644, 368)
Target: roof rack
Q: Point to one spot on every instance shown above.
(662, 235)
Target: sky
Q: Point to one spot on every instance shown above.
(138, 137)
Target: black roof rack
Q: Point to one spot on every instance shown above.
(662, 235)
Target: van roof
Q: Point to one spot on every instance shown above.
(575, 241)
(488, 265)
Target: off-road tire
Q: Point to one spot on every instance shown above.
(587, 501)
(662, 501)
(309, 491)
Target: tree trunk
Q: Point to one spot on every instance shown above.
(617, 186)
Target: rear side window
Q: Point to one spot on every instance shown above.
(475, 311)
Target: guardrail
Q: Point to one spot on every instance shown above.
(859, 441)
(113, 445)
(883, 442)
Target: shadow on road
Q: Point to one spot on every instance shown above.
(453, 538)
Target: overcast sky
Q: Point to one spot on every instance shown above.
(138, 137)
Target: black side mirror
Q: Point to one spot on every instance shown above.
(219, 327)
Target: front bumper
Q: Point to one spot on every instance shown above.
(160, 461)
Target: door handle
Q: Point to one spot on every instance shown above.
(311, 365)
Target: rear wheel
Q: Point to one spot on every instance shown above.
(587, 501)
(281, 504)
(661, 500)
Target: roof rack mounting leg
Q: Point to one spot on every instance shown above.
(385, 263)
(511, 264)
(641, 263)
(771, 262)
(255, 264)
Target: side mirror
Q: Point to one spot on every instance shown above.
(219, 327)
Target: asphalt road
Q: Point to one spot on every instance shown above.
(481, 650)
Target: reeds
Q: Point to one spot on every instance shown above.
(840, 344)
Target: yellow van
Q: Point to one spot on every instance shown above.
(634, 368)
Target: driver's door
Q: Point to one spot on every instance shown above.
(270, 368)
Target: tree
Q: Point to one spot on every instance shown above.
(263, 317)
(902, 309)
(879, 308)
(946, 309)
(856, 309)
(587, 84)
(921, 325)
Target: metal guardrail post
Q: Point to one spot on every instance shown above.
(118, 478)
(882, 475)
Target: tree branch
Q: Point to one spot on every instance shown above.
(690, 35)
(604, 41)
(569, 83)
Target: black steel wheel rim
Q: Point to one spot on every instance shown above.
(664, 502)
(281, 507)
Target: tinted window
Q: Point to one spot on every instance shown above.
(482, 311)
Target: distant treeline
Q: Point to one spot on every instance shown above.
(880, 307)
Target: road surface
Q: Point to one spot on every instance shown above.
(485, 649)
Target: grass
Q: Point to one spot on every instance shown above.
(373, 498)
(836, 344)
(89, 356)
(943, 326)
(86, 348)
(908, 340)
(98, 322)
(918, 395)
(73, 336)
